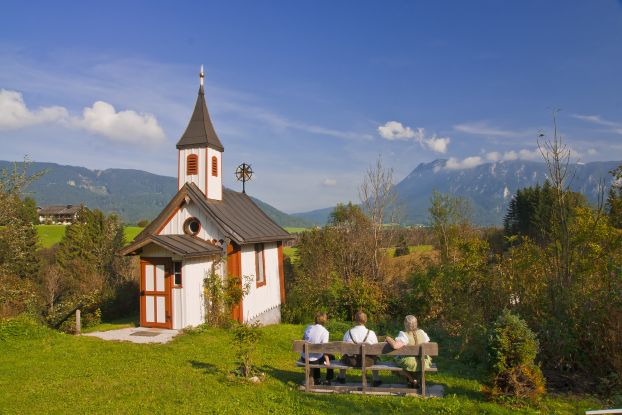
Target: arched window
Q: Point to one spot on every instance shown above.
(192, 164)
(214, 166)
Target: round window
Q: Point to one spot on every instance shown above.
(192, 226)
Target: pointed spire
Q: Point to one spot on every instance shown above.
(200, 131)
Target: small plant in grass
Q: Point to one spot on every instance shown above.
(245, 339)
(512, 349)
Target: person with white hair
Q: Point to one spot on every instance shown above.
(411, 336)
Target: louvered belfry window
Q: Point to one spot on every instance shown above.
(192, 165)
(215, 166)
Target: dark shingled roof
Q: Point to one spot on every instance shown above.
(236, 216)
(200, 131)
(184, 245)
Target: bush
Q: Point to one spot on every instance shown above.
(512, 349)
(245, 339)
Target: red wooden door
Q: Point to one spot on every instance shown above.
(155, 293)
(234, 269)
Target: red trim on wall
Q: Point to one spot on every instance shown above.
(234, 269)
(281, 271)
(168, 324)
(263, 265)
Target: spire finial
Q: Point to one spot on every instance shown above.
(201, 76)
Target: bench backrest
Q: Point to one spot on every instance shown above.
(430, 349)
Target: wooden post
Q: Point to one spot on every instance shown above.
(78, 322)
(305, 349)
(363, 368)
(422, 353)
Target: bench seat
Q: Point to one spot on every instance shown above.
(379, 349)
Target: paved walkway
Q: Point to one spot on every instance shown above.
(136, 335)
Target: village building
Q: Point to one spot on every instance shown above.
(207, 228)
(58, 214)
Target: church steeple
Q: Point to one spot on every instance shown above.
(200, 131)
(200, 151)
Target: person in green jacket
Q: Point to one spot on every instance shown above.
(411, 336)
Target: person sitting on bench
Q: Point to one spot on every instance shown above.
(317, 333)
(411, 336)
(357, 335)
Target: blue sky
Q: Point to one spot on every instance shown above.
(309, 93)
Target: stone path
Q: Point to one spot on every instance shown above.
(136, 335)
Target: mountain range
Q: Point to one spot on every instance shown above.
(136, 194)
(132, 194)
(488, 187)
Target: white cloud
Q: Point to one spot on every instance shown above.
(394, 130)
(15, 114)
(483, 128)
(592, 151)
(101, 118)
(616, 127)
(494, 156)
(437, 144)
(125, 126)
(329, 182)
(467, 163)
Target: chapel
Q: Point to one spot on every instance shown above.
(207, 228)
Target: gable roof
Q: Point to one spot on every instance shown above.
(236, 216)
(200, 131)
(184, 245)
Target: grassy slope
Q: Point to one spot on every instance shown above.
(46, 372)
(52, 234)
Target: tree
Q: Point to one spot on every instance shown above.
(378, 199)
(614, 199)
(449, 219)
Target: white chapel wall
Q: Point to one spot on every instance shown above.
(198, 179)
(192, 299)
(176, 225)
(268, 297)
(214, 183)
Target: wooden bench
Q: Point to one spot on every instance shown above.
(380, 349)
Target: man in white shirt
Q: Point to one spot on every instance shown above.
(317, 334)
(357, 335)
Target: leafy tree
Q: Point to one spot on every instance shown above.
(449, 219)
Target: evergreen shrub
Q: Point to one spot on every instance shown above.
(512, 349)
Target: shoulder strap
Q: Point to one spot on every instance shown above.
(351, 338)
(367, 334)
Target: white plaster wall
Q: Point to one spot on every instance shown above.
(176, 225)
(194, 271)
(214, 184)
(155, 251)
(261, 299)
(198, 179)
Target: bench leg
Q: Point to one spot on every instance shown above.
(423, 382)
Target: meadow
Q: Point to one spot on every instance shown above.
(43, 371)
(50, 235)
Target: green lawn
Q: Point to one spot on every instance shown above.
(42, 371)
(291, 229)
(52, 234)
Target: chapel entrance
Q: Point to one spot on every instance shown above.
(155, 293)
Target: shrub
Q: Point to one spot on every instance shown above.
(512, 349)
(245, 339)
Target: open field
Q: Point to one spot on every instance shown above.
(295, 230)
(52, 234)
(43, 371)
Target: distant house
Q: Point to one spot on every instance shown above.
(206, 228)
(58, 214)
